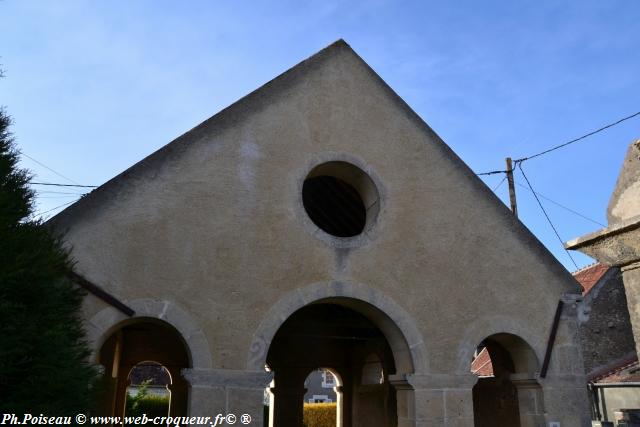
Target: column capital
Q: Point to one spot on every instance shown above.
(433, 381)
(227, 378)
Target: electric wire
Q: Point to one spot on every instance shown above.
(490, 173)
(577, 139)
(533, 156)
(58, 197)
(63, 185)
(563, 207)
(58, 192)
(57, 207)
(501, 182)
(47, 167)
(546, 215)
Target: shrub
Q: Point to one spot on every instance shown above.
(145, 403)
(44, 358)
(153, 406)
(319, 414)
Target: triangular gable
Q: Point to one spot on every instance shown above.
(265, 95)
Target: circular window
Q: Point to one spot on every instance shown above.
(340, 198)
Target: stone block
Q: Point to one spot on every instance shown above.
(429, 404)
(207, 401)
(459, 422)
(459, 403)
(245, 401)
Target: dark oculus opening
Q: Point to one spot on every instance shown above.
(334, 206)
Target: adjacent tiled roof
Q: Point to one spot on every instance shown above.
(589, 276)
(481, 365)
(625, 372)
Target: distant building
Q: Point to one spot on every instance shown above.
(608, 319)
(320, 387)
(605, 328)
(618, 245)
(608, 347)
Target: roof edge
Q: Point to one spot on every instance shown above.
(513, 222)
(223, 119)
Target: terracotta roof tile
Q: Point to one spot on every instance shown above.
(590, 275)
(627, 371)
(481, 365)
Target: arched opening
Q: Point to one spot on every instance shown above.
(140, 350)
(322, 402)
(507, 392)
(149, 390)
(338, 338)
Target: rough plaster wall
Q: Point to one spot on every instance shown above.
(217, 224)
(605, 332)
(625, 200)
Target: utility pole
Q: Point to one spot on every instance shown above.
(512, 188)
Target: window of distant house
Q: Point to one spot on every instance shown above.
(328, 380)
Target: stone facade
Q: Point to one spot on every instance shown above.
(605, 329)
(618, 244)
(212, 238)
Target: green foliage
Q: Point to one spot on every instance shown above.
(43, 355)
(16, 199)
(145, 403)
(319, 415)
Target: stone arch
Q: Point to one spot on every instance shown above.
(486, 326)
(511, 394)
(106, 321)
(395, 323)
(135, 341)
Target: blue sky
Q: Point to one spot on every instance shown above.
(95, 86)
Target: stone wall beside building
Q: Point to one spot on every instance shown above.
(605, 328)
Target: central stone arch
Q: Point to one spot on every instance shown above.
(396, 324)
(334, 325)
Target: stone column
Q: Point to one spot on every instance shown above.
(179, 393)
(530, 401)
(434, 399)
(288, 396)
(339, 405)
(225, 391)
(631, 280)
(566, 400)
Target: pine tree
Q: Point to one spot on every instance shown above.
(44, 365)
